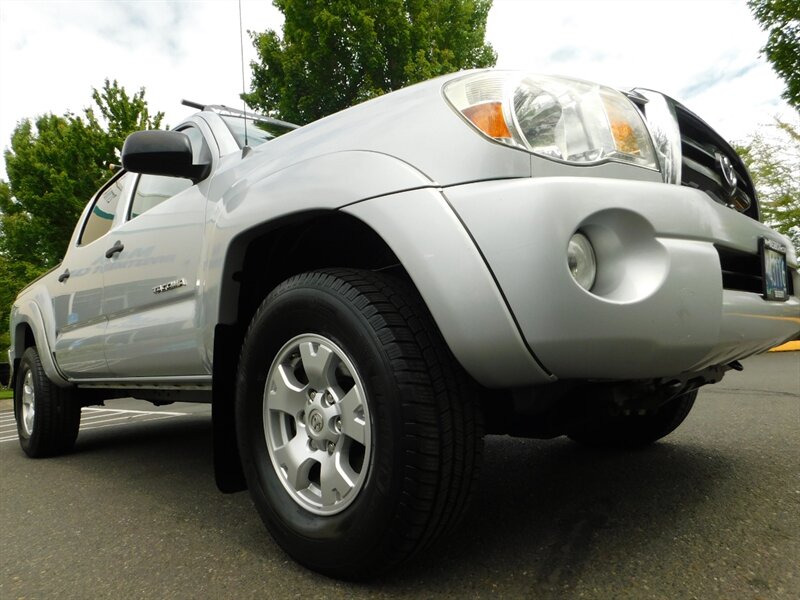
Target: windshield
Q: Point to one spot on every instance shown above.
(258, 131)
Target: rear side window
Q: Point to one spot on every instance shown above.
(258, 132)
(101, 218)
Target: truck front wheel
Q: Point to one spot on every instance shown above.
(358, 432)
(48, 417)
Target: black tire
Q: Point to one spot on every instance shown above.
(426, 429)
(53, 426)
(634, 430)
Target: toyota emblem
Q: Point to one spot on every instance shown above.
(728, 173)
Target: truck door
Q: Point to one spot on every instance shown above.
(151, 287)
(77, 300)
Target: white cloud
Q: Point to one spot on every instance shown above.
(704, 53)
(53, 52)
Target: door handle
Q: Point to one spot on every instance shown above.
(63, 277)
(118, 247)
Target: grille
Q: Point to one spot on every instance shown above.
(742, 271)
(701, 148)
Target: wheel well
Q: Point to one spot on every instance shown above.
(24, 335)
(23, 339)
(321, 240)
(257, 262)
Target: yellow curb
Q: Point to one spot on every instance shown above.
(795, 345)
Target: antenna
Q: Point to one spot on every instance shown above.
(241, 47)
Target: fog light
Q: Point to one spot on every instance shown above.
(581, 261)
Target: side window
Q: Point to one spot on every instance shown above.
(152, 190)
(99, 221)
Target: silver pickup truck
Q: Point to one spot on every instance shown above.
(362, 298)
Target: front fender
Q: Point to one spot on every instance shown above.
(325, 182)
(456, 284)
(256, 201)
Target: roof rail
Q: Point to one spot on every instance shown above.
(222, 109)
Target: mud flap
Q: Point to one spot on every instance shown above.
(227, 464)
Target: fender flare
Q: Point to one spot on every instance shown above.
(31, 315)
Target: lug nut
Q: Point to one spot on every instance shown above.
(331, 447)
(328, 398)
(337, 425)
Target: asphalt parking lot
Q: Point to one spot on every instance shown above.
(712, 511)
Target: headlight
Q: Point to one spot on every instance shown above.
(564, 119)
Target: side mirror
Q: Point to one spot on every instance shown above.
(157, 152)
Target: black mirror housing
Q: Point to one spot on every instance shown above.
(157, 152)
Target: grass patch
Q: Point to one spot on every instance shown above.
(6, 394)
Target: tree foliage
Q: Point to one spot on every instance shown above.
(336, 53)
(121, 114)
(773, 158)
(55, 164)
(781, 20)
(13, 275)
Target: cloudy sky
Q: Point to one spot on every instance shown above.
(703, 52)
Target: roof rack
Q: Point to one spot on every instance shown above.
(235, 112)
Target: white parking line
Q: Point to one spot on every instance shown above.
(109, 418)
(112, 425)
(93, 418)
(99, 416)
(145, 412)
(8, 426)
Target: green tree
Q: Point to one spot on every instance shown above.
(121, 114)
(55, 164)
(13, 275)
(773, 158)
(781, 20)
(336, 53)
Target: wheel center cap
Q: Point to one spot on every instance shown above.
(316, 422)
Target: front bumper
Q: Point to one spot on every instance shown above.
(658, 308)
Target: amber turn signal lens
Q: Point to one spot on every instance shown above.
(488, 117)
(625, 138)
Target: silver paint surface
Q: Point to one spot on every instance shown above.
(481, 229)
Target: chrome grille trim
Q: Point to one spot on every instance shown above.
(692, 154)
(663, 125)
(702, 151)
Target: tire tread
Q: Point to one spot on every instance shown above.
(442, 422)
(58, 415)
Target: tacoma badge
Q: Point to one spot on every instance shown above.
(165, 287)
